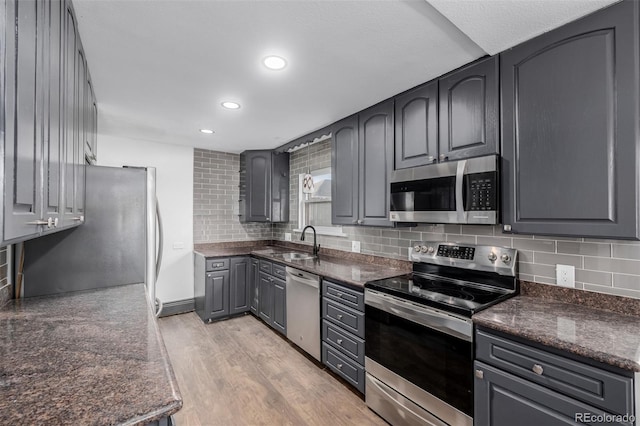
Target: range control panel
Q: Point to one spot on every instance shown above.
(456, 252)
(502, 260)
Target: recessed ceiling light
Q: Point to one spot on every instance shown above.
(207, 131)
(231, 105)
(274, 62)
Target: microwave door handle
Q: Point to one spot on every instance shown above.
(460, 170)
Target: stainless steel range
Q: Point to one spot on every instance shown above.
(419, 334)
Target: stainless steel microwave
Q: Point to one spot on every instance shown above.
(463, 191)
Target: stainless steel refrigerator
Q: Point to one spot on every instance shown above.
(119, 243)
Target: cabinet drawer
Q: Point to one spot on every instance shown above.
(265, 266)
(600, 388)
(347, 343)
(341, 365)
(346, 318)
(348, 297)
(279, 271)
(217, 264)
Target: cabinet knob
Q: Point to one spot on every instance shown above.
(55, 222)
(339, 366)
(537, 368)
(480, 374)
(339, 341)
(339, 316)
(360, 221)
(506, 228)
(268, 219)
(443, 157)
(431, 158)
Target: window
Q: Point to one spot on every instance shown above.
(315, 209)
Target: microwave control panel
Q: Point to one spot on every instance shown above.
(481, 191)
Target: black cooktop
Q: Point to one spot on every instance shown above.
(452, 295)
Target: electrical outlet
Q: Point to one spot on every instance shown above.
(287, 236)
(566, 275)
(355, 246)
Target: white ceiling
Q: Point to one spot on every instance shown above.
(160, 69)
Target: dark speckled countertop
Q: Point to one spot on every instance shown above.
(92, 358)
(349, 268)
(566, 321)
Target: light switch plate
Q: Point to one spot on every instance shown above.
(355, 246)
(287, 236)
(566, 275)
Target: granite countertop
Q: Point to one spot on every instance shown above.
(94, 358)
(601, 335)
(347, 268)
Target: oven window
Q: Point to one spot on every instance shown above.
(436, 195)
(436, 362)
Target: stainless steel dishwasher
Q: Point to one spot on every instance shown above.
(303, 310)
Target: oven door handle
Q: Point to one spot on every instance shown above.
(460, 170)
(436, 320)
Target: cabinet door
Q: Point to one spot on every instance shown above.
(570, 128)
(376, 163)
(217, 294)
(24, 119)
(469, 111)
(240, 291)
(258, 192)
(265, 305)
(416, 126)
(255, 284)
(344, 172)
(81, 135)
(502, 399)
(70, 119)
(279, 306)
(279, 194)
(54, 144)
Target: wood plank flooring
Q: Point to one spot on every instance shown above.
(241, 372)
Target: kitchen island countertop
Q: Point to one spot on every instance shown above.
(90, 357)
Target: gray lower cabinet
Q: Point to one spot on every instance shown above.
(343, 332)
(361, 164)
(44, 124)
(515, 383)
(255, 286)
(570, 107)
(264, 186)
(221, 286)
(272, 290)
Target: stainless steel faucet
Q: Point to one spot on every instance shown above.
(316, 247)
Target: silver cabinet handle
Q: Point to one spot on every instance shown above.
(339, 366)
(537, 368)
(78, 218)
(339, 316)
(38, 222)
(339, 341)
(55, 222)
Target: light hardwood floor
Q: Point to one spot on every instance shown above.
(240, 372)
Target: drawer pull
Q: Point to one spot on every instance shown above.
(339, 316)
(479, 374)
(537, 368)
(339, 295)
(339, 366)
(339, 341)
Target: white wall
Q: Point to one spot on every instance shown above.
(174, 175)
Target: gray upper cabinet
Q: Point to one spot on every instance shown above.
(416, 126)
(376, 163)
(264, 186)
(344, 171)
(469, 113)
(361, 163)
(45, 88)
(570, 128)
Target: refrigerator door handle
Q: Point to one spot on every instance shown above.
(159, 255)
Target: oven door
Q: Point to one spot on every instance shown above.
(430, 349)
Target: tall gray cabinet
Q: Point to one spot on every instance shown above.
(570, 128)
(361, 163)
(45, 118)
(264, 186)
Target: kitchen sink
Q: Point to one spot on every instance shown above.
(298, 256)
